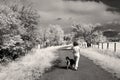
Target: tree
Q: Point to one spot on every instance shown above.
(17, 29)
(68, 38)
(41, 36)
(54, 35)
(87, 32)
(98, 37)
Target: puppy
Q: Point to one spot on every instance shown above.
(70, 63)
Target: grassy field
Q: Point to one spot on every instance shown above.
(30, 67)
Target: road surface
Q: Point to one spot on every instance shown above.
(87, 70)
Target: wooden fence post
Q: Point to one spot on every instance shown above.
(98, 45)
(107, 45)
(102, 45)
(114, 47)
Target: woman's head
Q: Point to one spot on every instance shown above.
(67, 58)
(75, 43)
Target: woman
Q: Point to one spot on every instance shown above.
(76, 54)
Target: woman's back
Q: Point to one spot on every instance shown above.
(76, 51)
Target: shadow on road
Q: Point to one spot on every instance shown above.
(56, 65)
(60, 62)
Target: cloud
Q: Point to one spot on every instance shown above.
(114, 4)
(74, 11)
(84, 7)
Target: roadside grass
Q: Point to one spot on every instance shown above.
(109, 63)
(30, 67)
(109, 53)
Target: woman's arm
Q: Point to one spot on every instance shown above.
(79, 50)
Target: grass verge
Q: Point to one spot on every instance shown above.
(30, 67)
(109, 63)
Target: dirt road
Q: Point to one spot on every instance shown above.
(87, 70)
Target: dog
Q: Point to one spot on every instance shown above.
(70, 63)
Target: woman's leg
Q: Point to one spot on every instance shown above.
(76, 58)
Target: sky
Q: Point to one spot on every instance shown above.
(67, 12)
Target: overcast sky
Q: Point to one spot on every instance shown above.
(68, 12)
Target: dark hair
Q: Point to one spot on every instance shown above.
(75, 44)
(67, 58)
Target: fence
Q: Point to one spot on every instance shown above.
(112, 46)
